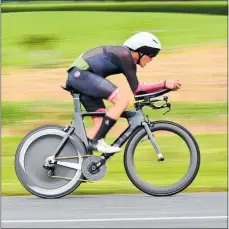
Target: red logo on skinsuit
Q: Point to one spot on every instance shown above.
(77, 74)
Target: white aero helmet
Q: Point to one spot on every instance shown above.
(145, 43)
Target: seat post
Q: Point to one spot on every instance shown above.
(76, 99)
(78, 119)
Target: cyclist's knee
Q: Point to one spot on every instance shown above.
(114, 95)
(119, 97)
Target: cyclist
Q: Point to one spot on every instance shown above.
(88, 73)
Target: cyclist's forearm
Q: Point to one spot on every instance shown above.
(149, 87)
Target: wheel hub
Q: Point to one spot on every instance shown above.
(49, 163)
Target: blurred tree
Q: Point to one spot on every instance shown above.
(45, 42)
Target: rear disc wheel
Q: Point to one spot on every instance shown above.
(30, 157)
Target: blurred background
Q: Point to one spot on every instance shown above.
(41, 39)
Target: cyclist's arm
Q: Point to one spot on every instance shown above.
(149, 87)
(129, 70)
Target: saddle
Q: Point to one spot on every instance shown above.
(69, 89)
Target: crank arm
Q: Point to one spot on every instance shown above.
(69, 165)
(159, 154)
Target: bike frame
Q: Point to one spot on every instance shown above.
(135, 119)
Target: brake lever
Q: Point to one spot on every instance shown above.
(158, 107)
(155, 107)
(169, 106)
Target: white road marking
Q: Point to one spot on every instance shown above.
(115, 219)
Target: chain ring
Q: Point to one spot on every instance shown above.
(98, 175)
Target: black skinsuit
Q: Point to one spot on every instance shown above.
(88, 73)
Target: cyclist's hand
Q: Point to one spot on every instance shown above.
(172, 84)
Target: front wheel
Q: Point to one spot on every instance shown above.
(175, 173)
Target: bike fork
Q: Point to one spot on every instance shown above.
(152, 139)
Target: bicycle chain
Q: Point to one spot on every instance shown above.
(67, 178)
(69, 157)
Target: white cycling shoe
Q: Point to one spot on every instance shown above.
(103, 147)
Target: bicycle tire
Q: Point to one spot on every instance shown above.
(51, 135)
(186, 180)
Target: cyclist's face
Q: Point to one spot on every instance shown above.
(144, 60)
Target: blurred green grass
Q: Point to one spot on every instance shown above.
(48, 39)
(212, 175)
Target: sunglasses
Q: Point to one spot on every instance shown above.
(156, 51)
(151, 56)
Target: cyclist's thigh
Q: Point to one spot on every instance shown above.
(91, 84)
(92, 104)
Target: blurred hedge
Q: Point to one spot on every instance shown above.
(219, 8)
